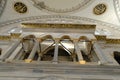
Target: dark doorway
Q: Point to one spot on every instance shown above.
(63, 55)
(85, 57)
(48, 56)
(117, 56)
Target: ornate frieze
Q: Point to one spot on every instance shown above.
(101, 37)
(58, 17)
(15, 35)
(50, 25)
(11, 36)
(5, 37)
(107, 40)
(113, 41)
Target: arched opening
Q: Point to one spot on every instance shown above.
(27, 45)
(0, 51)
(85, 57)
(48, 56)
(85, 46)
(117, 56)
(66, 48)
(36, 56)
(46, 48)
(64, 55)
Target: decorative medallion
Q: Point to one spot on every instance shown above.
(60, 6)
(99, 9)
(20, 7)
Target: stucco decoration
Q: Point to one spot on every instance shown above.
(58, 18)
(67, 5)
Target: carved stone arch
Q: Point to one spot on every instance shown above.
(29, 37)
(65, 37)
(64, 55)
(83, 38)
(27, 44)
(85, 45)
(48, 54)
(46, 37)
(69, 41)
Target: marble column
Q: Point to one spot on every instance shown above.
(14, 54)
(9, 51)
(99, 53)
(55, 58)
(39, 52)
(78, 52)
(40, 56)
(20, 56)
(32, 54)
(103, 57)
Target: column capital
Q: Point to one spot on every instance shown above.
(93, 41)
(75, 40)
(57, 39)
(39, 39)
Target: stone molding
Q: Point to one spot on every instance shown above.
(58, 17)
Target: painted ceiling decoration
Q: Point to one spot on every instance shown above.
(99, 9)
(72, 5)
(20, 7)
(2, 6)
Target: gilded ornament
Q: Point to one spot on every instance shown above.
(99, 9)
(20, 7)
(58, 26)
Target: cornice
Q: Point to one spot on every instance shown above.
(58, 17)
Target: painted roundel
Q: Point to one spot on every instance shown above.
(20, 7)
(99, 9)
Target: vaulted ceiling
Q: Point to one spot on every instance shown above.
(104, 13)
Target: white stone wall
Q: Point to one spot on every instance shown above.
(107, 23)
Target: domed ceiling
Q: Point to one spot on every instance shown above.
(104, 13)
